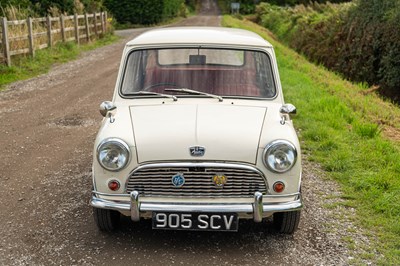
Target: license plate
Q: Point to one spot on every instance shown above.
(195, 221)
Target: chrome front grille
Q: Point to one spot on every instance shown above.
(156, 180)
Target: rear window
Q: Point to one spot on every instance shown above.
(200, 56)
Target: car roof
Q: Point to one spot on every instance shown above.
(199, 35)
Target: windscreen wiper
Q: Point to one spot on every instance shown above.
(196, 92)
(154, 93)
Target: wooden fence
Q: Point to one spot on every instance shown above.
(26, 36)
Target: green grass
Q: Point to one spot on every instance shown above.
(346, 131)
(28, 67)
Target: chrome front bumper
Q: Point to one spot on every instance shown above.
(258, 207)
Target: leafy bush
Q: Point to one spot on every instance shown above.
(249, 6)
(374, 28)
(359, 39)
(302, 2)
(144, 12)
(191, 4)
(19, 3)
(44, 7)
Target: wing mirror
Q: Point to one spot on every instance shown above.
(108, 108)
(286, 110)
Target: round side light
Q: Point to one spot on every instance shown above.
(114, 185)
(279, 187)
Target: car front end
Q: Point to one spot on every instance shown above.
(197, 137)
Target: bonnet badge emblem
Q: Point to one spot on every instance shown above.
(197, 151)
(219, 180)
(178, 180)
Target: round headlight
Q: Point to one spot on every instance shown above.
(280, 156)
(113, 154)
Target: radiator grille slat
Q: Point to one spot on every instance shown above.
(157, 182)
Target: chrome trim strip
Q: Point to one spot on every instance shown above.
(198, 164)
(218, 208)
(109, 194)
(296, 194)
(258, 207)
(109, 204)
(135, 207)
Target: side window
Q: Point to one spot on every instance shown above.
(134, 74)
(264, 74)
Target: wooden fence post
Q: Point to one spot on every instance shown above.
(76, 26)
(95, 23)
(102, 22)
(49, 34)
(6, 45)
(87, 28)
(62, 26)
(30, 22)
(30, 37)
(105, 21)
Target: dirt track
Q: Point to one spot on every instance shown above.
(48, 125)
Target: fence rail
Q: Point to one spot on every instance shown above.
(26, 36)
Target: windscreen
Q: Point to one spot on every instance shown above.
(221, 72)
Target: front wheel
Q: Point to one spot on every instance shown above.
(286, 222)
(106, 220)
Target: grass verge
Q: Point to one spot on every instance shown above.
(353, 135)
(28, 67)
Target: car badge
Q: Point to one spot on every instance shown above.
(178, 180)
(197, 151)
(219, 180)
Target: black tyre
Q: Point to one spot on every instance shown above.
(287, 222)
(106, 220)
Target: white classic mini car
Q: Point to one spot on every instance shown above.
(197, 135)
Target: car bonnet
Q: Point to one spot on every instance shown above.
(221, 132)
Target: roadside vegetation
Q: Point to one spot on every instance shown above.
(36, 8)
(249, 6)
(130, 14)
(358, 39)
(28, 67)
(353, 136)
(25, 67)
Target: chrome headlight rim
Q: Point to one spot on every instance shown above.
(272, 145)
(120, 143)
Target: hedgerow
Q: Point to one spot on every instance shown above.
(358, 39)
(44, 7)
(144, 12)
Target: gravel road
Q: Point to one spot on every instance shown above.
(48, 126)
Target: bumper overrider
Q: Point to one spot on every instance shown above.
(259, 207)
